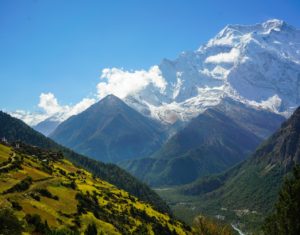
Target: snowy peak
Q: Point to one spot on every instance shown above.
(263, 28)
(274, 35)
(258, 65)
(276, 25)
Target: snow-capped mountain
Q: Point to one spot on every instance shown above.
(258, 65)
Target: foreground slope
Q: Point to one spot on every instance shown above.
(40, 183)
(110, 131)
(15, 130)
(214, 141)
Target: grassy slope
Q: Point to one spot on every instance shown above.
(119, 210)
(16, 130)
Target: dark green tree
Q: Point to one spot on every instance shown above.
(9, 223)
(286, 218)
(91, 230)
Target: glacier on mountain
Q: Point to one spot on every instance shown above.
(258, 65)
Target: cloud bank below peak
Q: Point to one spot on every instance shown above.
(116, 81)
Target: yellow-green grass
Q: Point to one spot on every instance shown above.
(106, 228)
(30, 206)
(84, 187)
(6, 183)
(5, 153)
(36, 174)
(67, 202)
(66, 166)
(61, 213)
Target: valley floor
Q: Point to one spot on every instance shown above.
(186, 208)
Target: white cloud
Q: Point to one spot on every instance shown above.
(28, 117)
(123, 83)
(49, 103)
(229, 57)
(113, 81)
(79, 107)
(50, 108)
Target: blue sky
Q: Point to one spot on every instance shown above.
(61, 46)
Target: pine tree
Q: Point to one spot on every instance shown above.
(9, 223)
(91, 230)
(286, 218)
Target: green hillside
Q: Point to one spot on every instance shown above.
(285, 217)
(247, 192)
(14, 129)
(48, 195)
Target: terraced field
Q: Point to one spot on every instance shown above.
(35, 183)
